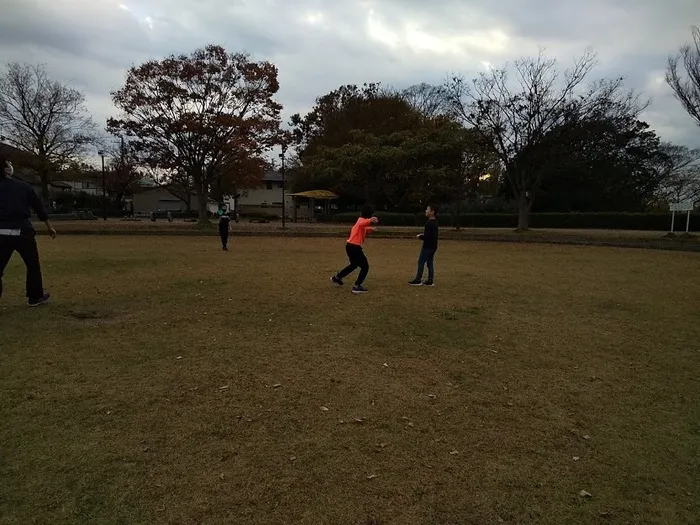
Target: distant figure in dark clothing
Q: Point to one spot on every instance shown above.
(224, 226)
(427, 253)
(17, 199)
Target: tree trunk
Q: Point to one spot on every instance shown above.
(524, 205)
(45, 194)
(457, 217)
(202, 202)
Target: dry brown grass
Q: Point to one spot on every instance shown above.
(162, 226)
(145, 394)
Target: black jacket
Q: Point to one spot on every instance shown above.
(430, 235)
(17, 200)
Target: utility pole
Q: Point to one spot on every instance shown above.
(123, 154)
(284, 204)
(104, 196)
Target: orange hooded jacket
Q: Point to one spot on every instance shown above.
(359, 231)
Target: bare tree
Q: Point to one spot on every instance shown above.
(431, 101)
(521, 120)
(680, 174)
(687, 86)
(45, 118)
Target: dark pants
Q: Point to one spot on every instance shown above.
(427, 256)
(223, 232)
(28, 251)
(357, 260)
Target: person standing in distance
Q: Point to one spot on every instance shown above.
(353, 249)
(427, 253)
(17, 199)
(224, 226)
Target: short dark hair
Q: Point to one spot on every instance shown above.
(366, 212)
(434, 208)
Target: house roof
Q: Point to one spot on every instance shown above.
(272, 176)
(17, 156)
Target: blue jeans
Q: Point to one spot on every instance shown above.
(426, 257)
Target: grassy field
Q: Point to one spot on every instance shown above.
(180, 226)
(172, 383)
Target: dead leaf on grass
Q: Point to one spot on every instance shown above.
(585, 494)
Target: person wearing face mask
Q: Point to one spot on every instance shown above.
(17, 200)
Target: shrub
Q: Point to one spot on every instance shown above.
(610, 221)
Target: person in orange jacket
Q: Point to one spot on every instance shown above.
(353, 249)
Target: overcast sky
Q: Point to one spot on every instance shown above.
(319, 45)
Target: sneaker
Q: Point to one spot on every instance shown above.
(428, 283)
(358, 289)
(225, 249)
(38, 302)
(416, 282)
(337, 280)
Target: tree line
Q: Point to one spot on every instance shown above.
(529, 135)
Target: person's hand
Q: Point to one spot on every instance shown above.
(49, 228)
(374, 220)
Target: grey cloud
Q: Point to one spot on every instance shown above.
(91, 44)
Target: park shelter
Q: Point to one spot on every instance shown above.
(311, 197)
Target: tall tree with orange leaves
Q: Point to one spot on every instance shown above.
(201, 115)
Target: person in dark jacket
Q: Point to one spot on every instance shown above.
(17, 199)
(430, 246)
(224, 227)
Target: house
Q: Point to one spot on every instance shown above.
(160, 199)
(89, 182)
(25, 169)
(265, 199)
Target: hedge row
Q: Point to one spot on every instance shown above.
(601, 221)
